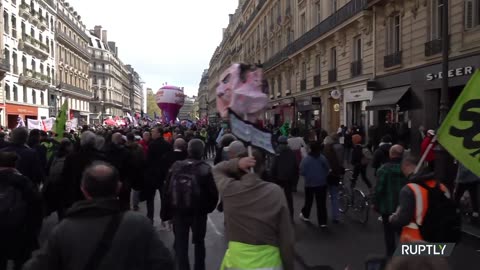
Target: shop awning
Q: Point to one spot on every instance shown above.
(387, 99)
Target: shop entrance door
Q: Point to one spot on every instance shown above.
(334, 107)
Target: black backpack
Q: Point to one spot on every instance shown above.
(184, 188)
(13, 206)
(443, 221)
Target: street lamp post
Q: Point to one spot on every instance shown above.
(444, 169)
(102, 105)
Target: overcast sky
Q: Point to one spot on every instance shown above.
(164, 40)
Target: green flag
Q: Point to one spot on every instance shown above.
(460, 131)
(61, 122)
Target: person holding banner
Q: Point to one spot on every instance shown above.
(257, 218)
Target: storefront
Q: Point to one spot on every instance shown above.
(308, 116)
(406, 101)
(355, 102)
(280, 112)
(13, 111)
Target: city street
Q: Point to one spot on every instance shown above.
(346, 244)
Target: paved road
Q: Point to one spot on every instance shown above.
(338, 246)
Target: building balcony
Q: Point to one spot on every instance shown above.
(99, 57)
(76, 91)
(392, 60)
(356, 68)
(25, 11)
(34, 79)
(42, 24)
(72, 44)
(316, 80)
(4, 67)
(34, 47)
(332, 75)
(303, 85)
(100, 70)
(434, 47)
(34, 18)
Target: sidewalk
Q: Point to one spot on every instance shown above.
(470, 229)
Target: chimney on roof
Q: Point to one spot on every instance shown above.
(97, 31)
(230, 17)
(104, 36)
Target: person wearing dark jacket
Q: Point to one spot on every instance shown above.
(18, 240)
(315, 169)
(284, 170)
(179, 153)
(29, 163)
(155, 173)
(75, 164)
(359, 161)
(119, 156)
(74, 244)
(195, 219)
(390, 181)
(3, 142)
(381, 155)
(336, 172)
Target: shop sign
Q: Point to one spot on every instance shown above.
(354, 95)
(336, 107)
(457, 72)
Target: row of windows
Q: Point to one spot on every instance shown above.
(67, 77)
(13, 95)
(72, 59)
(33, 65)
(24, 35)
(67, 31)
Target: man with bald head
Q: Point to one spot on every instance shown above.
(390, 181)
(101, 219)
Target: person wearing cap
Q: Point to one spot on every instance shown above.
(284, 170)
(430, 159)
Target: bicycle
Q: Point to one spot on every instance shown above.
(355, 199)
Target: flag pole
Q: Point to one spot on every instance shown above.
(249, 147)
(425, 154)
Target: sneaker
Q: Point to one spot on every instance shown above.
(323, 226)
(304, 218)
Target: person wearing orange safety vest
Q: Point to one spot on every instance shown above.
(413, 201)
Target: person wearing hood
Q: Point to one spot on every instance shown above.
(284, 170)
(335, 159)
(381, 155)
(104, 235)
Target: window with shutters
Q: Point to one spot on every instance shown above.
(472, 13)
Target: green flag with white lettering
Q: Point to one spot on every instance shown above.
(460, 131)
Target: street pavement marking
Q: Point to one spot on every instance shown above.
(214, 227)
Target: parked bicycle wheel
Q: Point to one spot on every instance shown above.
(360, 206)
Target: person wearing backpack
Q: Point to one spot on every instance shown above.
(190, 195)
(361, 157)
(98, 234)
(20, 213)
(426, 210)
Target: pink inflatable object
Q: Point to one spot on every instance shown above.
(241, 89)
(170, 99)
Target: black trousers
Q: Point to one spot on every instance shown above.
(360, 170)
(182, 224)
(288, 190)
(390, 236)
(472, 190)
(320, 195)
(151, 202)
